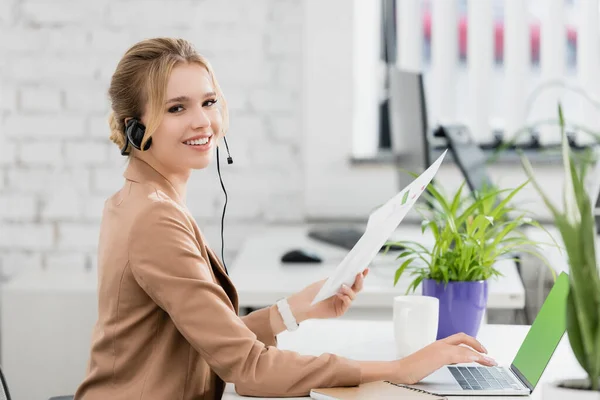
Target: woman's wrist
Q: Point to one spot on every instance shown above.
(372, 371)
(276, 319)
(299, 310)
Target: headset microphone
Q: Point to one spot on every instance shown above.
(229, 159)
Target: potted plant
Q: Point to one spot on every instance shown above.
(471, 233)
(577, 229)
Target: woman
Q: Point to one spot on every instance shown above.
(168, 326)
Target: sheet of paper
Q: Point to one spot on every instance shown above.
(380, 226)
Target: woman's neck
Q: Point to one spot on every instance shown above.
(178, 179)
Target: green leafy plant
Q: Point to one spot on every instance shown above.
(577, 228)
(470, 234)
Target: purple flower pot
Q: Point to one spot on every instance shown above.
(462, 305)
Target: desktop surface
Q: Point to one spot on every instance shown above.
(372, 340)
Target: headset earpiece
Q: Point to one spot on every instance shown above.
(134, 131)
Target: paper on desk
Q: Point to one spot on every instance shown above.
(382, 223)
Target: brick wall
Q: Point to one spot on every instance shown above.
(56, 163)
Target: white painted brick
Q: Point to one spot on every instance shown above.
(247, 195)
(26, 236)
(20, 40)
(156, 13)
(57, 68)
(98, 127)
(251, 126)
(8, 98)
(93, 206)
(85, 153)
(287, 13)
(65, 261)
(113, 41)
(87, 99)
(65, 40)
(244, 130)
(13, 263)
(222, 12)
(273, 100)
(107, 180)
(17, 207)
(237, 100)
(232, 40)
(287, 207)
(243, 71)
(64, 203)
(59, 12)
(44, 181)
(8, 152)
(55, 40)
(201, 197)
(40, 99)
(114, 157)
(106, 67)
(150, 31)
(38, 126)
(286, 128)
(73, 236)
(274, 155)
(34, 153)
(288, 74)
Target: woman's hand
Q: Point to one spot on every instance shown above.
(332, 307)
(451, 350)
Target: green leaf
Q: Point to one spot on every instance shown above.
(400, 270)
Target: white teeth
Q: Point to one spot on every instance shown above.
(197, 142)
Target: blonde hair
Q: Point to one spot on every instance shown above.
(141, 78)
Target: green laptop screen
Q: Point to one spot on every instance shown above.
(545, 333)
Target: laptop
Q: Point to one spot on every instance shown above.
(522, 376)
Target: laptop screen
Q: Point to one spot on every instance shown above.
(544, 335)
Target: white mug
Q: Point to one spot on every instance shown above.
(415, 323)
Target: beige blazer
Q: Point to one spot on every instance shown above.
(168, 324)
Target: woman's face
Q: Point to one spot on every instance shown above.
(191, 124)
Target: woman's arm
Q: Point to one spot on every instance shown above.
(166, 262)
(267, 323)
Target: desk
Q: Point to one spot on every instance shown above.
(372, 340)
(261, 279)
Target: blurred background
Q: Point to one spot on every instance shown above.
(308, 84)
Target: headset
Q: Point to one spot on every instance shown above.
(134, 134)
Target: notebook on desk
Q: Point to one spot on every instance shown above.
(381, 390)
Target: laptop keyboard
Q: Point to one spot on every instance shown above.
(483, 378)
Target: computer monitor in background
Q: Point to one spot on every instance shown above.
(467, 155)
(409, 123)
(410, 146)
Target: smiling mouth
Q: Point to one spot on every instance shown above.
(198, 142)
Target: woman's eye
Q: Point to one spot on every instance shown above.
(176, 109)
(209, 103)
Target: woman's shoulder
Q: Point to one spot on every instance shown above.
(153, 206)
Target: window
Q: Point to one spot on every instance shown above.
(498, 90)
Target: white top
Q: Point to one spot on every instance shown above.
(261, 279)
(373, 340)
